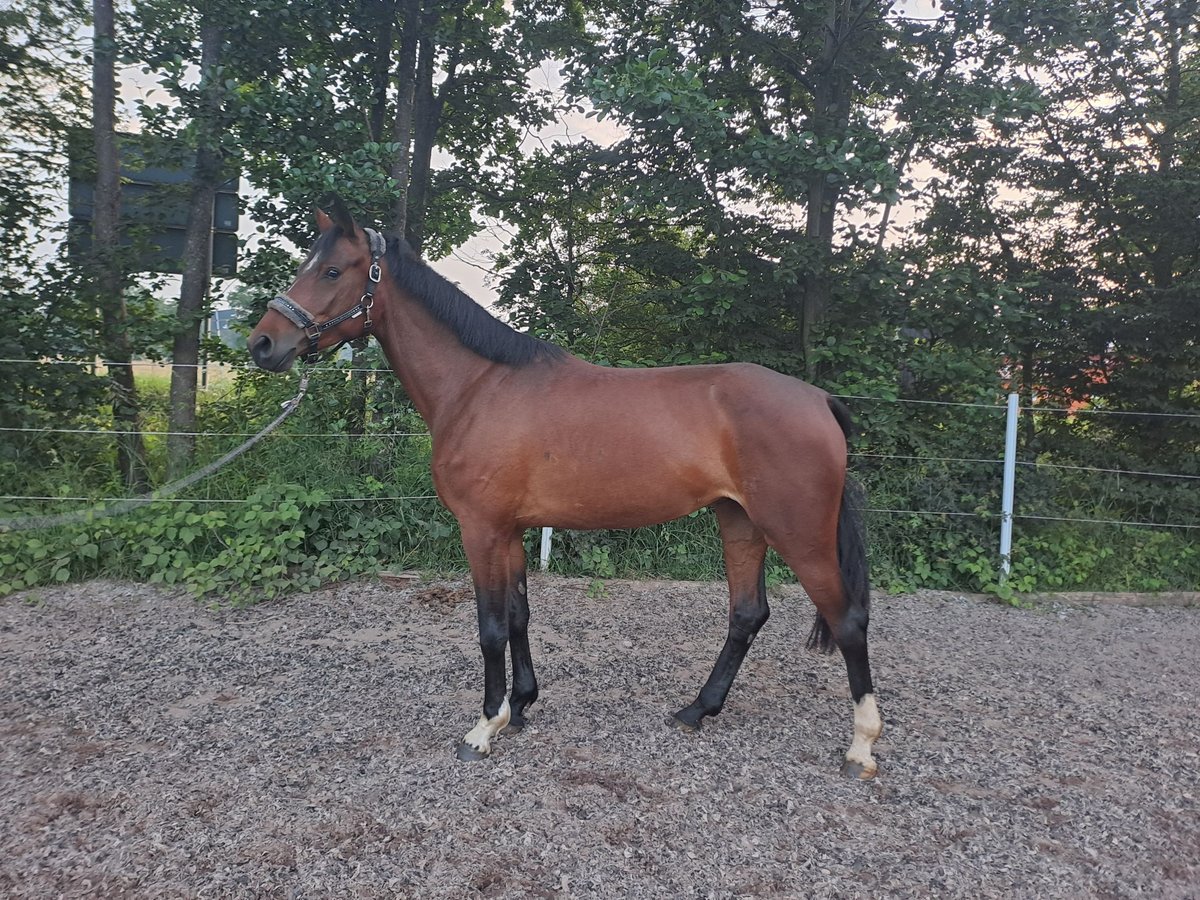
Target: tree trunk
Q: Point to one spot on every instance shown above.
(427, 119)
(402, 131)
(197, 259)
(110, 278)
(1028, 376)
(428, 107)
(831, 111)
(382, 67)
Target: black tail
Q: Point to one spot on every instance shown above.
(852, 551)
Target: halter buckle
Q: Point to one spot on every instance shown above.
(366, 303)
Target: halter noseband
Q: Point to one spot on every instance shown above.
(303, 319)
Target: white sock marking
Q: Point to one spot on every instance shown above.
(867, 727)
(480, 737)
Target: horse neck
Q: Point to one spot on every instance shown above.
(431, 362)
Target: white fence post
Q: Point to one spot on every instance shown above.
(545, 554)
(1010, 480)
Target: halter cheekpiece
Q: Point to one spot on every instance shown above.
(303, 319)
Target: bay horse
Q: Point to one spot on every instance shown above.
(524, 434)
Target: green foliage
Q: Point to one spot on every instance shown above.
(263, 525)
(685, 548)
(281, 539)
(42, 84)
(277, 520)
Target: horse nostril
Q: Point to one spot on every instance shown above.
(261, 348)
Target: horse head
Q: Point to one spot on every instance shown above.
(331, 299)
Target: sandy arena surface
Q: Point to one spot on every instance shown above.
(150, 747)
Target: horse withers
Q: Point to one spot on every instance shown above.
(524, 434)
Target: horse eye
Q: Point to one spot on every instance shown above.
(332, 273)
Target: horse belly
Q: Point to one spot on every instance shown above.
(622, 484)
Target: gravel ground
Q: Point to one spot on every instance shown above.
(150, 747)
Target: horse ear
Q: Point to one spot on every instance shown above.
(335, 213)
(324, 223)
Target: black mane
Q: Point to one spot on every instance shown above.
(475, 327)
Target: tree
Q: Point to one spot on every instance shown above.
(762, 139)
(111, 277)
(291, 101)
(1082, 199)
(43, 85)
(207, 124)
(324, 121)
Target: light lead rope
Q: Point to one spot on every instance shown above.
(106, 510)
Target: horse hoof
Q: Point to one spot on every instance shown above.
(514, 726)
(467, 753)
(857, 770)
(686, 727)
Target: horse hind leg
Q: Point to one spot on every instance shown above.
(851, 636)
(842, 602)
(745, 551)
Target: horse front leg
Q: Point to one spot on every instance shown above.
(745, 553)
(489, 551)
(524, 686)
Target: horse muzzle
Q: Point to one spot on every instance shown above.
(270, 354)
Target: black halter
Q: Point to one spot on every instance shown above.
(303, 319)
